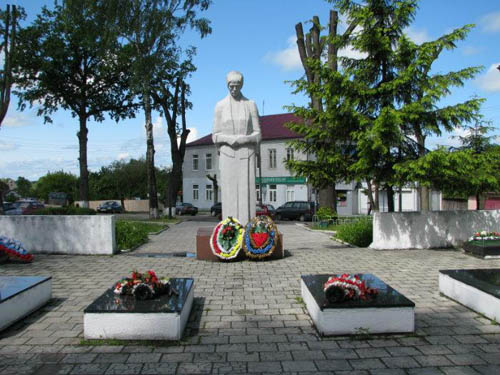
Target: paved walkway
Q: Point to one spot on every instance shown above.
(248, 316)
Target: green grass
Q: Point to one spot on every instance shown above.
(359, 233)
(130, 234)
(331, 227)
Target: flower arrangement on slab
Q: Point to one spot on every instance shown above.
(144, 286)
(260, 238)
(347, 287)
(14, 250)
(484, 236)
(227, 238)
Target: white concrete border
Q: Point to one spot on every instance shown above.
(470, 296)
(24, 303)
(427, 230)
(62, 234)
(137, 326)
(352, 321)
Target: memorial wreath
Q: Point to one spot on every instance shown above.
(227, 238)
(144, 286)
(260, 238)
(14, 250)
(346, 287)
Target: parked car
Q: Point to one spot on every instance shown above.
(272, 210)
(24, 207)
(110, 207)
(185, 209)
(262, 210)
(216, 209)
(296, 210)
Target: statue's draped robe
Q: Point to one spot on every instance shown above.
(237, 119)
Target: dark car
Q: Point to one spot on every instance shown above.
(185, 209)
(110, 207)
(271, 210)
(216, 209)
(296, 210)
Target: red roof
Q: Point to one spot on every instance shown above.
(271, 126)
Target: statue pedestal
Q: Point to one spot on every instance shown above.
(204, 252)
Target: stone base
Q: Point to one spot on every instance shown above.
(477, 293)
(124, 318)
(204, 251)
(21, 295)
(388, 312)
(482, 251)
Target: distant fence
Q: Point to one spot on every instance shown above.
(427, 230)
(130, 205)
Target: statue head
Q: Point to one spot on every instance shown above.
(234, 82)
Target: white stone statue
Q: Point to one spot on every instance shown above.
(236, 134)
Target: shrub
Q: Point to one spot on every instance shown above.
(325, 213)
(131, 234)
(69, 210)
(358, 233)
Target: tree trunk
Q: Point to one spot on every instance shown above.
(390, 198)
(376, 198)
(150, 158)
(326, 198)
(369, 193)
(174, 184)
(8, 51)
(478, 201)
(84, 173)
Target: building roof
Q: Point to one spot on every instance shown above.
(271, 126)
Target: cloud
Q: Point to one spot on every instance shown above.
(352, 53)
(491, 80)
(193, 135)
(490, 22)
(4, 146)
(471, 50)
(418, 36)
(288, 59)
(17, 120)
(123, 155)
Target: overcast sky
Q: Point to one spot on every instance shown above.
(257, 38)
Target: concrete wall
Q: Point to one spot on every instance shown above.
(90, 234)
(436, 229)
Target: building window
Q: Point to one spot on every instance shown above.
(290, 193)
(289, 154)
(195, 192)
(208, 162)
(195, 162)
(272, 158)
(272, 193)
(257, 189)
(209, 193)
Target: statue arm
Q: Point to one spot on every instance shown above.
(218, 137)
(255, 136)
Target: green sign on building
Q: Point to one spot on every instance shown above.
(289, 180)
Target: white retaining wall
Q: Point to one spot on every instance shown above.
(435, 229)
(62, 234)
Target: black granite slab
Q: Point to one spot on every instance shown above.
(482, 248)
(486, 280)
(110, 302)
(386, 297)
(11, 286)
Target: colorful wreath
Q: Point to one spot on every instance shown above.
(346, 287)
(144, 286)
(261, 237)
(14, 250)
(227, 238)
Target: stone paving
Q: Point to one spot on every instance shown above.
(248, 317)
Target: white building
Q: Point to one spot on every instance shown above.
(278, 184)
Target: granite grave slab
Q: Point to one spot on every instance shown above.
(478, 289)
(113, 316)
(21, 295)
(387, 312)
